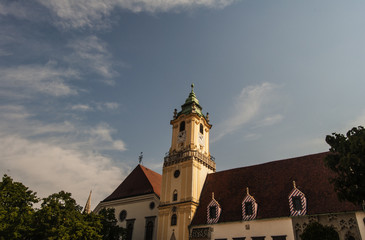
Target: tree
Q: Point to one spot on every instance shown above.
(61, 218)
(348, 162)
(16, 209)
(110, 229)
(316, 231)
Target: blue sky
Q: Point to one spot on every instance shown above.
(85, 86)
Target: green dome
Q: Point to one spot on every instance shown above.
(191, 104)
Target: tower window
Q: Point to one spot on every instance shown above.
(212, 212)
(248, 208)
(174, 196)
(297, 203)
(201, 129)
(182, 126)
(173, 220)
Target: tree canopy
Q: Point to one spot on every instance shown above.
(16, 209)
(59, 216)
(348, 162)
(316, 231)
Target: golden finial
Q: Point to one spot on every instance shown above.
(212, 195)
(248, 191)
(294, 185)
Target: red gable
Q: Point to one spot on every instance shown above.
(270, 184)
(140, 181)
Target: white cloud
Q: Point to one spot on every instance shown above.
(81, 107)
(27, 80)
(270, 120)
(95, 106)
(92, 54)
(248, 105)
(47, 168)
(103, 135)
(111, 105)
(94, 13)
(58, 156)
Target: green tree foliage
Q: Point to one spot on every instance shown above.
(110, 230)
(61, 218)
(316, 231)
(348, 162)
(16, 209)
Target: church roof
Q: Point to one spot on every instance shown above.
(270, 184)
(139, 182)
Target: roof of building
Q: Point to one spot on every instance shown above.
(191, 104)
(270, 185)
(139, 182)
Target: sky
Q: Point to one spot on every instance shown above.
(87, 85)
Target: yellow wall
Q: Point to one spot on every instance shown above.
(190, 182)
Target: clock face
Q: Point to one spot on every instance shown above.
(201, 139)
(181, 136)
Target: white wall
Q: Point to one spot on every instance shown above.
(360, 216)
(137, 208)
(254, 228)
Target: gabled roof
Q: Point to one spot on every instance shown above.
(139, 182)
(270, 184)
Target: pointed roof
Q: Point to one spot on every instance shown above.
(191, 104)
(271, 184)
(87, 208)
(139, 182)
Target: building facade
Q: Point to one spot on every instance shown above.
(136, 202)
(274, 200)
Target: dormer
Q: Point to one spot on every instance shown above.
(213, 211)
(297, 202)
(249, 207)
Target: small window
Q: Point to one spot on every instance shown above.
(258, 238)
(152, 205)
(248, 208)
(297, 203)
(212, 212)
(176, 173)
(173, 220)
(174, 196)
(279, 237)
(182, 126)
(239, 238)
(201, 129)
(122, 215)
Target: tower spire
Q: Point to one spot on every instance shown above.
(87, 208)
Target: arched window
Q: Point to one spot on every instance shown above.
(201, 129)
(149, 230)
(173, 220)
(130, 226)
(182, 126)
(174, 195)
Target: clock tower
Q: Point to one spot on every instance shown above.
(185, 168)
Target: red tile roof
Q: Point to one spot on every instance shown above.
(139, 182)
(270, 184)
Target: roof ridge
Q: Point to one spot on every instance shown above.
(271, 162)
